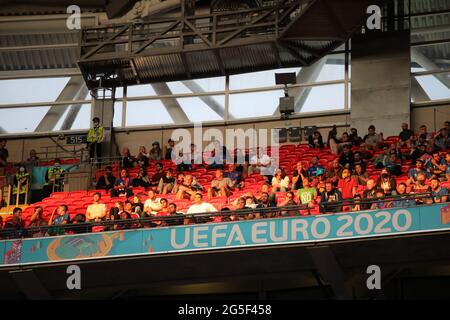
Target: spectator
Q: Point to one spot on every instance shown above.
(381, 203)
(394, 164)
(199, 206)
(369, 193)
(33, 159)
(106, 181)
(122, 186)
(403, 199)
(217, 161)
(288, 202)
(21, 185)
(360, 175)
(280, 182)
(316, 141)
(420, 188)
(437, 165)
(4, 154)
(178, 182)
(405, 134)
(164, 206)
(439, 193)
(37, 221)
(358, 159)
(155, 151)
(159, 174)
(347, 158)
(116, 211)
(260, 163)
(417, 153)
(373, 140)
(54, 178)
(143, 157)
(307, 195)
(264, 202)
(62, 219)
(95, 139)
(345, 141)
(315, 168)
(188, 159)
(447, 166)
(413, 172)
(167, 182)
(333, 141)
(127, 161)
(142, 179)
(189, 187)
(265, 188)
(442, 140)
(241, 158)
(424, 131)
(15, 227)
(167, 150)
(78, 219)
(235, 176)
(298, 175)
(356, 203)
(96, 211)
(152, 205)
(386, 182)
(335, 173)
(347, 185)
(330, 199)
(177, 218)
(382, 159)
(220, 186)
(354, 138)
(137, 206)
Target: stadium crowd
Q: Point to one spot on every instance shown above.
(346, 173)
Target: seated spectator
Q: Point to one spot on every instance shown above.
(307, 195)
(356, 203)
(394, 164)
(280, 181)
(116, 212)
(37, 221)
(330, 199)
(200, 206)
(347, 185)
(335, 173)
(420, 188)
(186, 160)
(345, 141)
(403, 199)
(264, 203)
(164, 206)
(288, 202)
(127, 161)
(107, 180)
(96, 211)
(359, 159)
(154, 181)
(259, 163)
(240, 205)
(155, 152)
(436, 165)
(316, 141)
(347, 158)
(178, 182)
(78, 219)
(405, 135)
(142, 179)
(386, 182)
(439, 193)
(442, 140)
(167, 182)
(354, 138)
(250, 202)
(142, 158)
(176, 218)
(189, 187)
(167, 150)
(137, 206)
(129, 214)
(417, 153)
(128, 208)
(62, 218)
(217, 161)
(373, 140)
(14, 227)
(424, 131)
(122, 186)
(235, 176)
(220, 186)
(298, 175)
(381, 203)
(360, 175)
(265, 188)
(315, 169)
(369, 193)
(152, 205)
(382, 159)
(413, 172)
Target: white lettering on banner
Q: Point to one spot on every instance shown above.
(341, 231)
(236, 235)
(256, 232)
(197, 237)
(386, 218)
(358, 219)
(284, 231)
(296, 229)
(314, 227)
(216, 234)
(408, 220)
(173, 238)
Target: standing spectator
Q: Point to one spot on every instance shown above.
(347, 158)
(106, 181)
(316, 141)
(95, 139)
(152, 205)
(360, 175)
(127, 160)
(122, 186)
(413, 172)
(167, 150)
(154, 181)
(167, 182)
(155, 152)
(280, 182)
(220, 186)
(405, 134)
(96, 211)
(330, 199)
(347, 185)
(21, 185)
(62, 219)
(298, 175)
(54, 178)
(142, 179)
(333, 141)
(4, 154)
(439, 193)
(142, 157)
(307, 195)
(315, 169)
(386, 182)
(373, 140)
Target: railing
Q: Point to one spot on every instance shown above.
(220, 216)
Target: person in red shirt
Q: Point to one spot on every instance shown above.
(347, 185)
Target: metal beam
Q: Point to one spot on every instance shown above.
(427, 64)
(70, 92)
(30, 285)
(171, 104)
(74, 110)
(417, 92)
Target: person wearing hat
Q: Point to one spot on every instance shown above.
(155, 152)
(95, 139)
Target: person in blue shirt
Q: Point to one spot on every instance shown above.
(413, 172)
(439, 194)
(123, 185)
(315, 168)
(62, 218)
(436, 165)
(402, 200)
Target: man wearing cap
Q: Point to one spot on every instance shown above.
(95, 138)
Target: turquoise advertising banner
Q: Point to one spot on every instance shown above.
(210, 236)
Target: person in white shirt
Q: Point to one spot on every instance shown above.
(152, 205)
(199, 206)
(96, 211)
(280, 182)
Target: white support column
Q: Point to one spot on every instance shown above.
(74, 110)
(171, 104)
